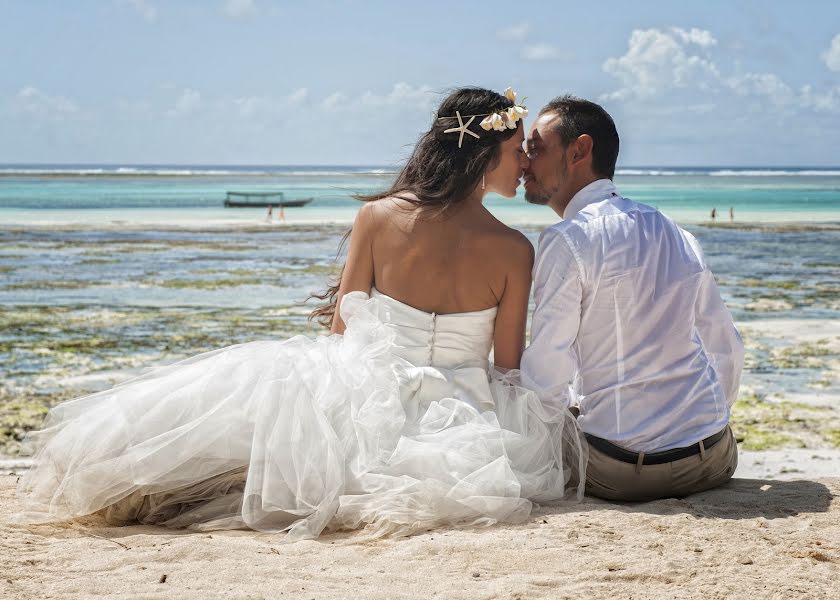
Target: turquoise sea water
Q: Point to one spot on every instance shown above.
(185, 194)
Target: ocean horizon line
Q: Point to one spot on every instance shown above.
(268, 170)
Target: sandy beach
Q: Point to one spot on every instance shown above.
(750, 538)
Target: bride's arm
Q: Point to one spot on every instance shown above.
(512, 316)
(358, 269)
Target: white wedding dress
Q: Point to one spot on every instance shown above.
(399, 425)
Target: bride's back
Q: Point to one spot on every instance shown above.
(444, 264)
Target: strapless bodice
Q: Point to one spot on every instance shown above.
(448, 341)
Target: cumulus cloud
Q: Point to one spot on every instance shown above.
(657, 60)
(832, 55)
(514, 33)
(824, 102)
(335, 101)
(187, 102)
(239, 8)
(144, 9)
(663, 68)
(544, 53)
(250, 106)
(402, 95)
(700, 37)
(33, 101)
(762, 84)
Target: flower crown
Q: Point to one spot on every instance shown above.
(497, 121)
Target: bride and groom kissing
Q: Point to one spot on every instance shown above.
(398, 421)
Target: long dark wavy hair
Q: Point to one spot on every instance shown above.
(438, 174)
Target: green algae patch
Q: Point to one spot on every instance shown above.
(769, 283)
(16, 418)
(331, 270)
(822, 264)
(824, 382)
(757, 439)
(760, 424)
(804, 355)
(832, 436)
(210, 284)
(54, 284)
(237, 272)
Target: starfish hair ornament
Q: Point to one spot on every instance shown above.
(497, 121)
(462, 128)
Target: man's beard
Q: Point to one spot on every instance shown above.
(540, 197)
(543, 196)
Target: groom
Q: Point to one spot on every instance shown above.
(629, 324)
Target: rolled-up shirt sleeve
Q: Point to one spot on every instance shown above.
(720, 338)
(550, 362)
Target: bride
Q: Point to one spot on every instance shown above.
(396, 421)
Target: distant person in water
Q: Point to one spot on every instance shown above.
(269, 214)
(282, 216)
(714, 213)
(731, 214)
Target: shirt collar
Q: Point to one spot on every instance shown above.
(594, 192)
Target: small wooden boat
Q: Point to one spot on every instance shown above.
(261, 200)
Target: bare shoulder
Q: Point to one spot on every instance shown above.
(370, 213)
(389, 208)
(515, 247)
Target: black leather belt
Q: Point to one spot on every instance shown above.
(654, 458)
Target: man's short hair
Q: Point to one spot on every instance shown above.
(579, 116)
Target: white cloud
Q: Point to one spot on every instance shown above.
(658, 60)
(832, 55)
(144, 9)
(820, 102)
(543, 53)
(297, 97)
(187, 102)
(763, 85)
(667, 68)
(402, 95)
(416, 99)
(334, 102)
(701, 37)
(514, 33)
(251, 106)
(239, 8)
(34, 101)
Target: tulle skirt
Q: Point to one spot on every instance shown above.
(303, 435)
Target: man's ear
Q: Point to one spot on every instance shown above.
(582, 148)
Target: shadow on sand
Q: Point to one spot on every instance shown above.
(737, 499)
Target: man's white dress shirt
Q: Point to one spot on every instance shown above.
(630, 318)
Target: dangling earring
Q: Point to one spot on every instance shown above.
(482, 182)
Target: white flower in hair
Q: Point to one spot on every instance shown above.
(520, 111)
(497, 121)
(512, 117)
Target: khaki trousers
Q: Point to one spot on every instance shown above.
(612, 479)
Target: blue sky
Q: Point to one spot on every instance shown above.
(355, 82)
